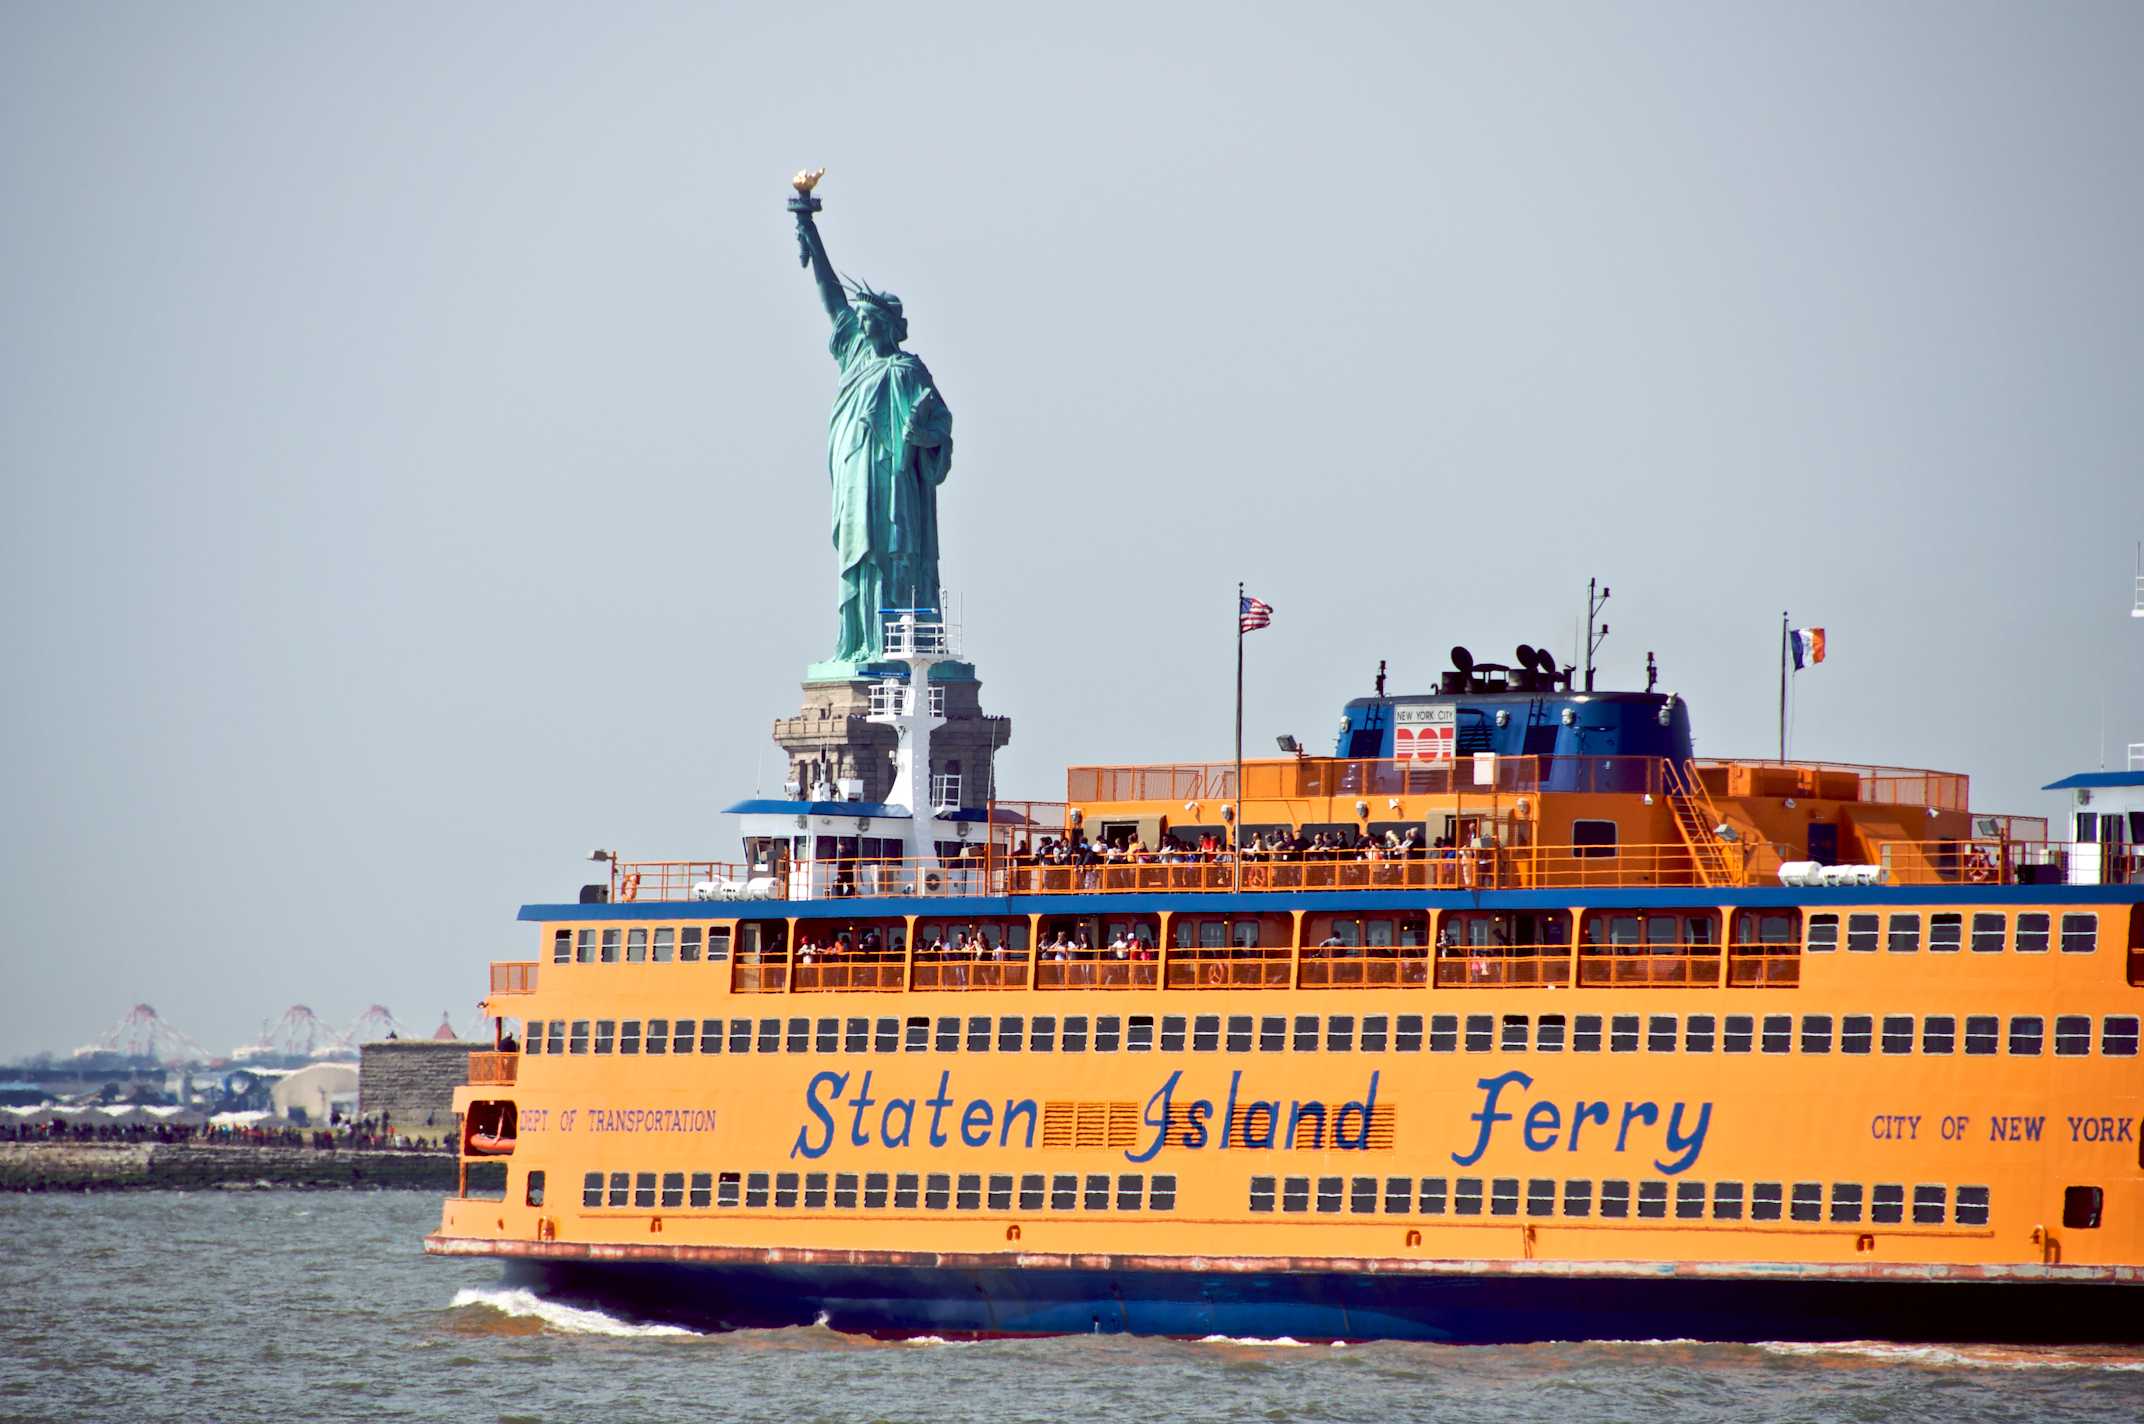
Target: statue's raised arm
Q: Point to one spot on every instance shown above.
(811, 248)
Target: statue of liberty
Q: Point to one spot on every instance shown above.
(889, 444)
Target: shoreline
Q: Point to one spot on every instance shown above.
(57, 1166)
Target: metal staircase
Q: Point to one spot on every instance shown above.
(1717, 862)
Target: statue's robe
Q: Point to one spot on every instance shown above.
(889, 444)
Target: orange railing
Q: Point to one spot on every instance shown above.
(669, 880)
(513, 976)
(1764, 966)
(1230, 969)
(1461, 967)
(849, 972)
(493, 1068)
(1601, 966)
(1097, 974)
(964, 973)
(1377, 967)
(2009, 862)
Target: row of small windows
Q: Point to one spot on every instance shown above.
(2021, 1035)
(1991, 932)
(1850, 1203)
(878, 1191)
(642, 944)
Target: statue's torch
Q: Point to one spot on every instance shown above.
(803, 204)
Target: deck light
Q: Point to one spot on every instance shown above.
(1726, 832)
(1289, 744)
(602, 856)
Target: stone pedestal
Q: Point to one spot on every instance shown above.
(830, 740)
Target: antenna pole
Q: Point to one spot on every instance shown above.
(1782, 687)
(1235, 860)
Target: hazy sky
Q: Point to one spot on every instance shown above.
(412, 417)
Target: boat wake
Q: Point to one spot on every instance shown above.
(1978, 1357)
(566, 1319)
(1252, 1342)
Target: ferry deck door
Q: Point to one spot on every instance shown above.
(1823, 843)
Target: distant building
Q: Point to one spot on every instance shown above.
(314, 1096)
(409, 1084)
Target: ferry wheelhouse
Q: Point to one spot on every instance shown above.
(1512, 1019)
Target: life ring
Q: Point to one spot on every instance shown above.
(1256, 877)
(1216, 975)
(629, 887)
(932, 881)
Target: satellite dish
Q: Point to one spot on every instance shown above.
(1526, 657)
(1462, 659)
(1545, 660)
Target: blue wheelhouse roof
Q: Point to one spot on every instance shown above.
(2095, 780)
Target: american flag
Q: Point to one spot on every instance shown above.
(1251, 614)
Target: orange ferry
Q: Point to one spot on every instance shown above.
(1511, 1020)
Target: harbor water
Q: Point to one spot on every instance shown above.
(277, 1305)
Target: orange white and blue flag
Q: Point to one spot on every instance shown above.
(1808, 645)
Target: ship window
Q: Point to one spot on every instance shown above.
(1592, 839)
(1898, 1033)
(1481, 1033)
(1109, 1033)
(1513, 1035)
(1726, 1201)
(1586, 1033)
(1328, 1194)
(1399, 1195)
(826, 1036)
(644, 1189)
(1407, 1033)
(1652, 1199)
(1205, 1033)
(916, 1036)
(1096, 1195)
(1504, 1196)
(937, 1191)
(2032, 933)
(1064, 1192)
(979, 1033)
(948, 1034)
(2080, 933)
(658, 1035)
(1466, 1196)
(907, 1191)
(718, 943)
(562, 947)
(636, 946)
(1904, 934)
(665, 945)
(2117, 1036)
(1011, 1029)
(1981, 1032)
(1764, 1201)
(1131, 1187)
(1272, 1033)
(1689, 1200)
(1816, 1033)
(1548, 1034)
(592, 1189)
(1972, 1206)
(1261, 1194)
(557, 1036)
(1032, 1194)
(1808, 1203)
(1433, 1196)
(1660, 1033)
(2081, 1207)
(1139, 1034)
(1987, 933)
(785, 1190)
(1823, 933)
(535, 1038)
(1443, 1033)
(856, 1035)
(1161, 1196)
(584, 946)
(1375, 1033)
(621, 1189)
(673, 1189)
(1939, 1034)
(1887, 1205)
(2026, 1032)
(1778, 1033)
(1861, 934)
(1295, 1194)
(1615, 1199)
(1042, 1037)
(1846, 1202)
(740, 1035)
(1928, 1203)
(1362, 1195)
(610, 946)
(798, 1038)
(726, 1189)
(886, 1035)
(969, 1193)
(1945, 933)
(815, 1191)
(1697, 1033)
(1239, 1033)
(1739, 1031)
(629, 1036)
(1075, 1034)
(688, 944)
(1578, 1197)
(770, 1035)
(2073, 1035)
(1856, 1031)
(1540, 1196)
(1623, 1033)
(606, 1034)
(1339, 1033)
(1306, 1033)
(845, 1191)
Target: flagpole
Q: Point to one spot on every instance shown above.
(1236, 845)
(1782, 687)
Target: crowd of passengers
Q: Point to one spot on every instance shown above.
(1277, 845)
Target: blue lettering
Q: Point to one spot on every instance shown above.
(1014, 1108)
(834, 1082)
(1229, 1121)
(1366, 1109)
(1541, 1118)
(1489, 1117)
(1639, 1112)
(1195, 1128)
(885, 1120)
(1157, 1117)
(1583, 1113)
(975, 1124)
(1251, 1136)
(1298, 1113)
(938, 1105)
(863, 1099)
(1688, 1146)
